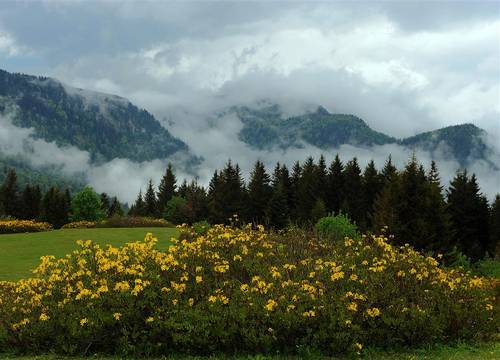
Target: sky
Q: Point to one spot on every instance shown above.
(404, 67)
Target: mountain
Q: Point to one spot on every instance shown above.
(461, 142)
(107, 126)
(266, 127)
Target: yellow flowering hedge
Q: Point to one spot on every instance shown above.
(80, 225)
(243, 290)
(23, 226)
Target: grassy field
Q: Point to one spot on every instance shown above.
(488, 351)
(20, 253)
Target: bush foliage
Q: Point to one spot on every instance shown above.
(243, 290)
(23, 226)
(336, 228)
(79, 225)
(133, 221)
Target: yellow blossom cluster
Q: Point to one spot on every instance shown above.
(23, 226)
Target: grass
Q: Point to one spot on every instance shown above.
(484, 351)
(20, 253)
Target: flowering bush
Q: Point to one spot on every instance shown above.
(80, 225)
(23, 226)
(133, 221)
(243, 290)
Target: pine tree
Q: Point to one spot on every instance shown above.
(105, 203)
(385, 207)
(318, 211)
(307, 191)
(115, 208)
(438, 221)
(278, 210)
(139, 207)
(233, 192)
(150, 201)
(183, 189)
(294, 191)
(467, 208)
(196, 206)
(10, 195)
(55, 209)
(259, 194)
(215, 208)
(352, 191)
(372, 184)
(322, 179)
(495, 227)
(167, 187)
(31, 198)
(335, 185)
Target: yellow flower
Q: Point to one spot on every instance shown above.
(353, 277)
(352, 307)
(117, 315)
(358, 346)
(489, 307)
(337, 275)
(199, 279)
(373, 312)
(400, 273)
(271, 304)
(44, 317)
(237, 258)
(310, 313)
(83, 321)
(212, 298)
(150, 319)
(191, 301)
(244, 287)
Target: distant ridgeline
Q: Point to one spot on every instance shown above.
(267, 127)
(107, 126)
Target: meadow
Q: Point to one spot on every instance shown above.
(20, 253)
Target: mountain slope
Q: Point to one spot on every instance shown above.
(106, 126)
(267, 127)
(462, 142)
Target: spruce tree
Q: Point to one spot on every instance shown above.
(215, 209)
(150, 201)
(10, 195)
(495, 227)
(55, 209)
(334, 197)
(115, 208)
(467, 208)
(167, 187)
(105, 203)
(385, 207)
(372, 184)
(322, 180)
(259, 194)
(438, 220)
(139, 207)
(294, 191)
(31, 198)
(307, 191)
(352, 191)
(278, 210)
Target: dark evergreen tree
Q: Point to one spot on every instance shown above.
(385, 207)
(352, 192)
(31, 198)
(334, 197)
(150, 201)
(10, 195)
(318, 211)
(321, 180)
(105, 203)
(233, 194)
(139, 207)
(115, 208)
(468, 208)
(495, 227)
(278, 210)
(167, 188)
(307, 191)
(55, 209)
(215, 208)
(372, 183)
(196, 206)
(438, 221)
(259, 194)
(182, 192)
(294, 191)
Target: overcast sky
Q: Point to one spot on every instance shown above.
(404, 67)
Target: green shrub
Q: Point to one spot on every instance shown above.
(79, 225)
(86, 206)
(201, 227)
(336, 228)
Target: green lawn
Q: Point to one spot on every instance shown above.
(487, 351)
(20, 253)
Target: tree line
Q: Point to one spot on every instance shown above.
(411, 202)
(55, 206)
